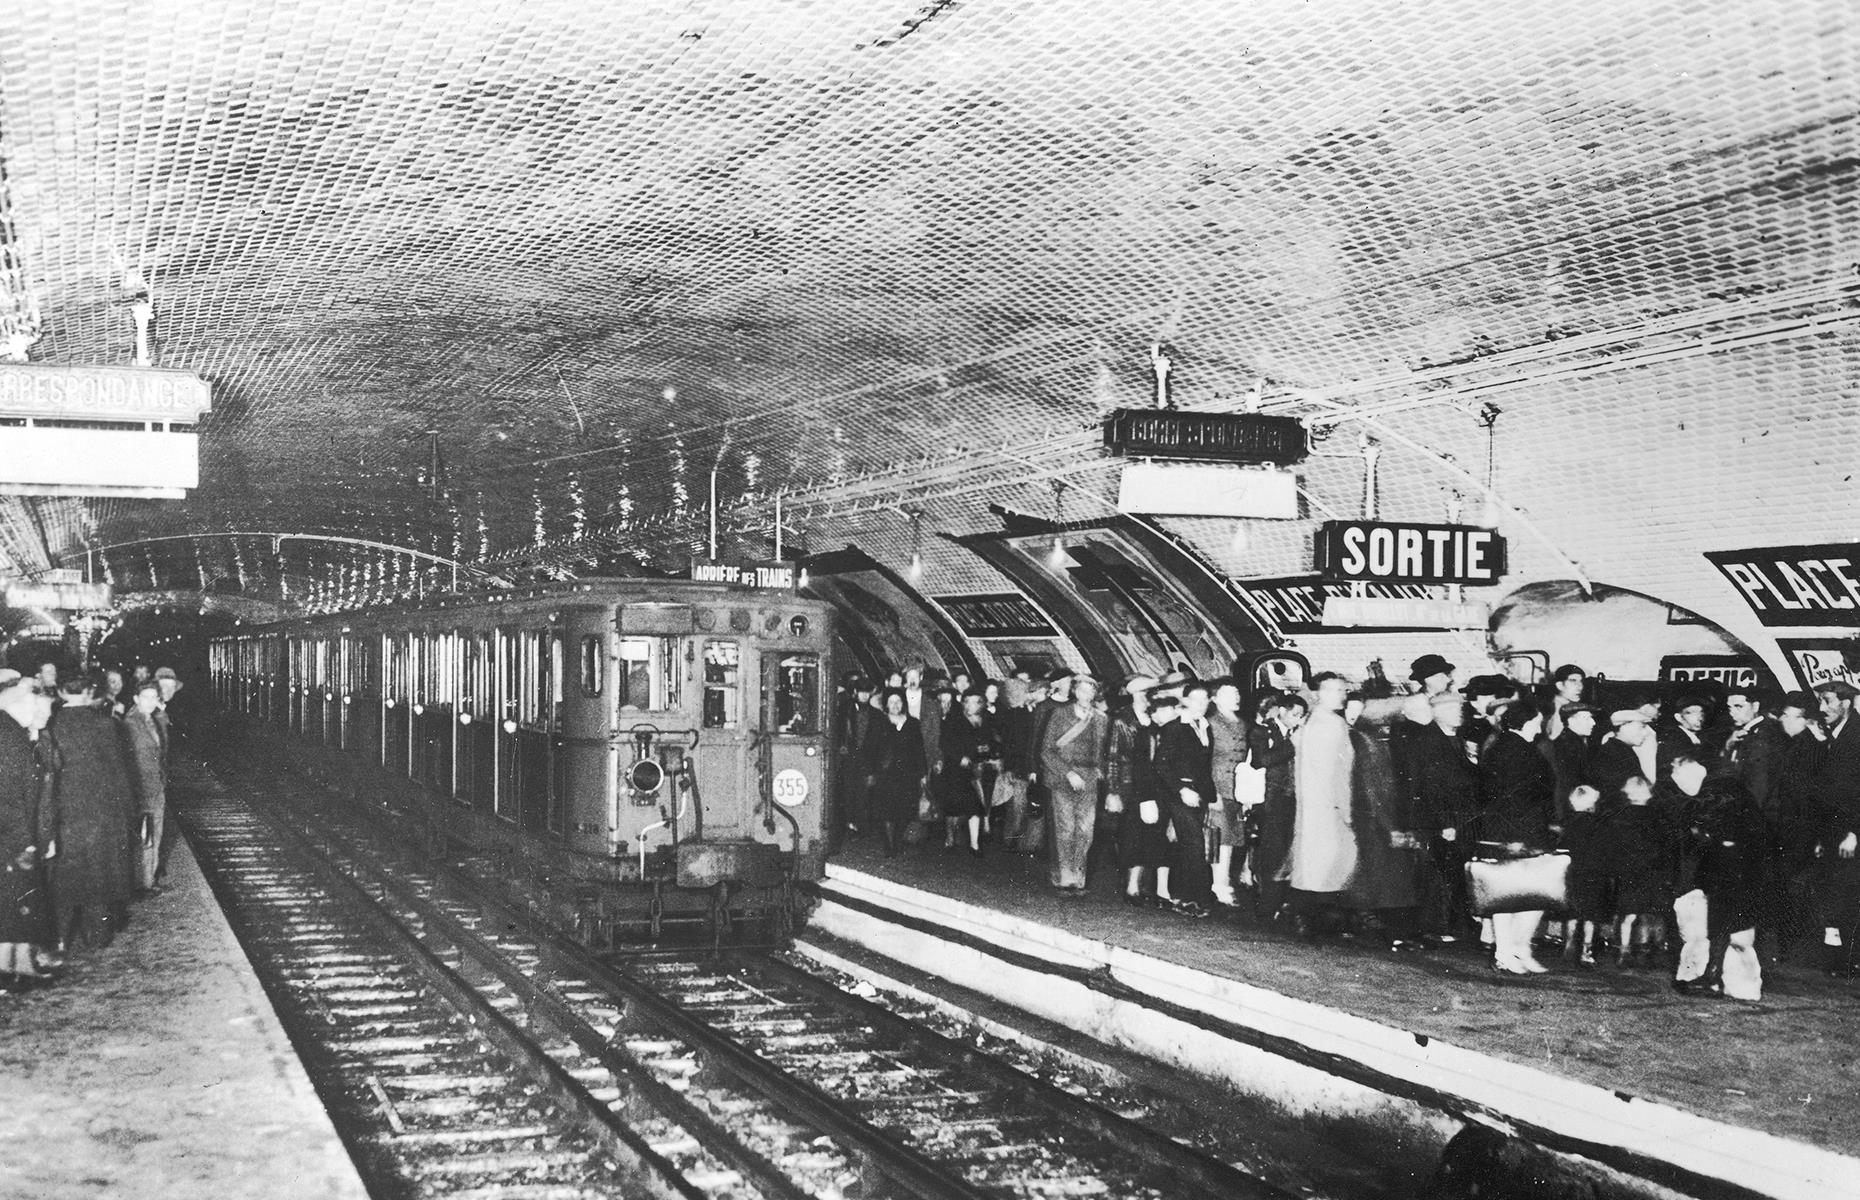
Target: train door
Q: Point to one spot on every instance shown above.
(396, 704)
(535, 733)
(649, 713)
(718, 756)
(509, 675)
(584, 788)
(789, 762)
(477, 720)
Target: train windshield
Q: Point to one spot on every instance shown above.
(796, 691)
(722, 684)
(647, 680)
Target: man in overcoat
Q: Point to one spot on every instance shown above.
(94, 875)
(148, 754)
(1836, 791)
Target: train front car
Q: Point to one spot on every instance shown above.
(644, 761)
(710, 790)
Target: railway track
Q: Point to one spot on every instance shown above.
(714, 1075)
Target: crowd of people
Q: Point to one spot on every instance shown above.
(1702, 836)
(83, 794)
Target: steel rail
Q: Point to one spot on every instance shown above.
(655, 1175)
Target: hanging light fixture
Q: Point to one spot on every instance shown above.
(917, 546)
(1494, 512)
(1058, 557)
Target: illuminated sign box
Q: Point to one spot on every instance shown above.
(1408, 553)
(1796, 585)
(1201, 490)
(58, 595)
(767, 576)
(98, 462)
(1206, 436)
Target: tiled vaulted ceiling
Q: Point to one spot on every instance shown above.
(904, 253)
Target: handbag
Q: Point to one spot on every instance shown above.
(1532, 883)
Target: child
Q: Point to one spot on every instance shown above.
(1585, 838)
(1640, 852)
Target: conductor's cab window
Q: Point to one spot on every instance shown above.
(722, 684)
(796, 687)
(592, 666)
(648, 678)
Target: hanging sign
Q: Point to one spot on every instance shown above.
(767, 576)
(1408, 553)
(997, 615)
(1201, 490)
(122, 393)
(1823, 660)
(58, 595)
(1796, 585)
(1206, 436)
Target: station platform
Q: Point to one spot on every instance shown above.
(156, 1068)
(1714, 1096)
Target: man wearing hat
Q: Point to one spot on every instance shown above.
(1628, 751)
(1836, 789)
(1058, 699)
(1433, 673)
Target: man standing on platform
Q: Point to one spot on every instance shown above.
(148, 759)
(1184, 766)
(94, 875)
(1446, 807)
(1836, 791)
(1072, 763)
(1323, 856)
(25, 917)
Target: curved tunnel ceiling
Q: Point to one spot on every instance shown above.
(504, 282)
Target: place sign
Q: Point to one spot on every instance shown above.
(764, 576)
(1206, 436)
(58, 595)
(73, 390)
(997, 615)
(1381, 612)
(1385, 551)
(1296, 604)
(1796, 585)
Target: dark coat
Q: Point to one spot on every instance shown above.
(1613, 764)
(1641, 849)
(1570, 755)
(1272, 752)
(24, 914)
(1444, 782)
(895, 767)
(1751, 757)
(1730, 837)
(967, 780)
(1016, 726)
(1799, 819)
(1183, 760)
(148, 762)
(1386, 876)
(1674, 741)
(1519, 790)
(97, 810)
(1126, 756)
(1836, 786)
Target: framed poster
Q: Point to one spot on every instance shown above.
(1818, 660)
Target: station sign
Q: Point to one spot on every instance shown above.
(1730, 670)
(122, 393)
(1823, 660)
(1206, 490)
(1169, 433)
(1796, 585)
(1382, 612)
(759, 575)
(58, 595)
(1384, 551)
(996, 616)
(1297, 604)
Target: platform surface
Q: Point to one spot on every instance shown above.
(1788, 1065)
(157, 1069)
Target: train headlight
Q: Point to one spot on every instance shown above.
(812, 750)
(646, 776)
(797, 625)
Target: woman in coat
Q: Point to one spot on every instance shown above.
(94, 875)
(971, 755)
(25, 917)
(1270, 749)
(1519, 788)
(895, 768)
(1387, 852)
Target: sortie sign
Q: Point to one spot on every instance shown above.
(1392, 552)
(1796, 585)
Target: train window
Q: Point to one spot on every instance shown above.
(722, 667)
(592, 665)
(648, 678)
(797, 695)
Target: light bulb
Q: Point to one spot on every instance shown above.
(917, 566)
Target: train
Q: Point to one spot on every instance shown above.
(645, 760)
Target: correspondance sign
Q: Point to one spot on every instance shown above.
(1386, 552)
(1796, 585)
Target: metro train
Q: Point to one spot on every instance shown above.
(640, 757)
